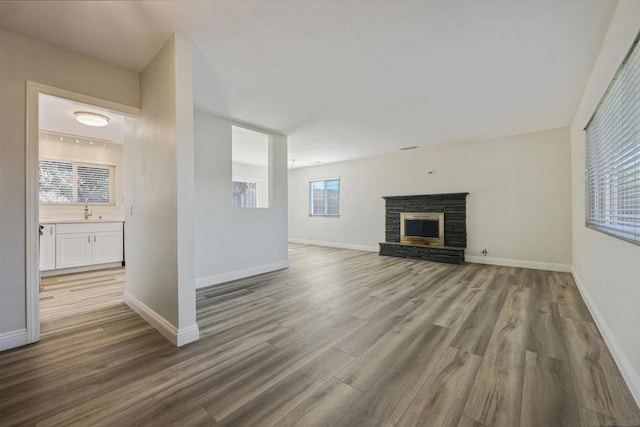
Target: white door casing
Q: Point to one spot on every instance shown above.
(34, 89)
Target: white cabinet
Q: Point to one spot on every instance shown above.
(107, 247)
(82, 244)
(48, 247)
(73, 250)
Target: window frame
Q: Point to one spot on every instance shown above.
(610, 146)
(325, 214)
(75, 163)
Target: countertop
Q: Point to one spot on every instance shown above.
(80, 221)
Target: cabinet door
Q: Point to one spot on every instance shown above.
(107, 247)
(73, 250)
(48, 248)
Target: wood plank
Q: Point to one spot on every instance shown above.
(468, 422)
(275, 402)
(496, 394)
(545, 333)
(367, 368)
(326, 406)
(443, 395)
(364, 337)
(570, 304)
(548, 398)
(599, 385)
(475, 332)
(596, 419)
(388, 398)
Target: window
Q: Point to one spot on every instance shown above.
(65, 182)
(324, 197)
(613, 156)
(244, 194)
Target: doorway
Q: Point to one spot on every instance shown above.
(75, 191)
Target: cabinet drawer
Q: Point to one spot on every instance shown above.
(88, 227)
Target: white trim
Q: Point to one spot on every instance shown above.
(203, 282)
(354, 247)
(629, 374)
(188, 334)
(508, 262)
(178, 337)
(32, 239)
(13, 339)
(34, 90)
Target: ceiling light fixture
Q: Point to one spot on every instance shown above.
(91, 119)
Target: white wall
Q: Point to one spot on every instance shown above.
(234, 243)
(159, 187)
(22, 59)
(52, 148)
(607, 269)
(519, 202)
(252, 173)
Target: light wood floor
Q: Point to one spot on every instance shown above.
(340, 338)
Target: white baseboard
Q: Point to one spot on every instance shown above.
(203, 282)
(178, 337)
(13, 339)
(630, 375)
(187, 335)
(507, 262)
(335, 245)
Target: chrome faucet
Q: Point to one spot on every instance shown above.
(87, 212)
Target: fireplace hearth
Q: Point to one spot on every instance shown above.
(429, 226)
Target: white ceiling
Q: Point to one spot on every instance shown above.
(353, 78)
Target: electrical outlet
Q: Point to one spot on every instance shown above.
(275, 254)
(485, 251)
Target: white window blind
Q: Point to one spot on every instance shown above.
(55, 180)
(324, 197)
(613, 156)
(93, 183)
(65, 182)
(244, 194)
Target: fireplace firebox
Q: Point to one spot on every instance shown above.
(422, 228)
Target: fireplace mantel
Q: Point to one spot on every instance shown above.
(454, 206)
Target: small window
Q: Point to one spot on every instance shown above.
(324, 197)
(613, 156)
(64, 182)
(244, 194)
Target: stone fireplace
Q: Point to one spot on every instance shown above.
(430, 226)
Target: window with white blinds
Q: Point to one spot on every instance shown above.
(324, 197)
(65, 182)
(245, 194)
(613, 156)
